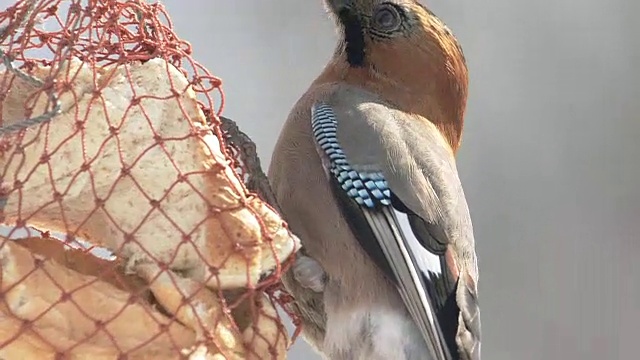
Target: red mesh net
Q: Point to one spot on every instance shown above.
(128, 233)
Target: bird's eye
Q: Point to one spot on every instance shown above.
(387, 18)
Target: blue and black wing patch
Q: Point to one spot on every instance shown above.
(366, 188)
(370, 208)
(352, 188)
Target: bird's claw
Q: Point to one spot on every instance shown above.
(309, 273)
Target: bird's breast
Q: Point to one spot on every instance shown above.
(372, 333)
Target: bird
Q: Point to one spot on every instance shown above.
(364, 172)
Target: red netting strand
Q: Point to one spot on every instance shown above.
(128, 232)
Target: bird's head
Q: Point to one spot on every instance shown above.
(402, 51)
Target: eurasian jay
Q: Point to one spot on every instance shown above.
(365, 174)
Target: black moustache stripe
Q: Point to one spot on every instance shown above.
(354, 37)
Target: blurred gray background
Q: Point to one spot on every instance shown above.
(549, 159)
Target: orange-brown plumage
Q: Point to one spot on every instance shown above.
(430, 79)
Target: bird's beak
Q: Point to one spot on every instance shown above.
(336, 6)
(346, 13)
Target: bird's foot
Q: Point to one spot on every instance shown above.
(309, 273)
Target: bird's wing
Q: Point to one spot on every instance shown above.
(397, 186)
